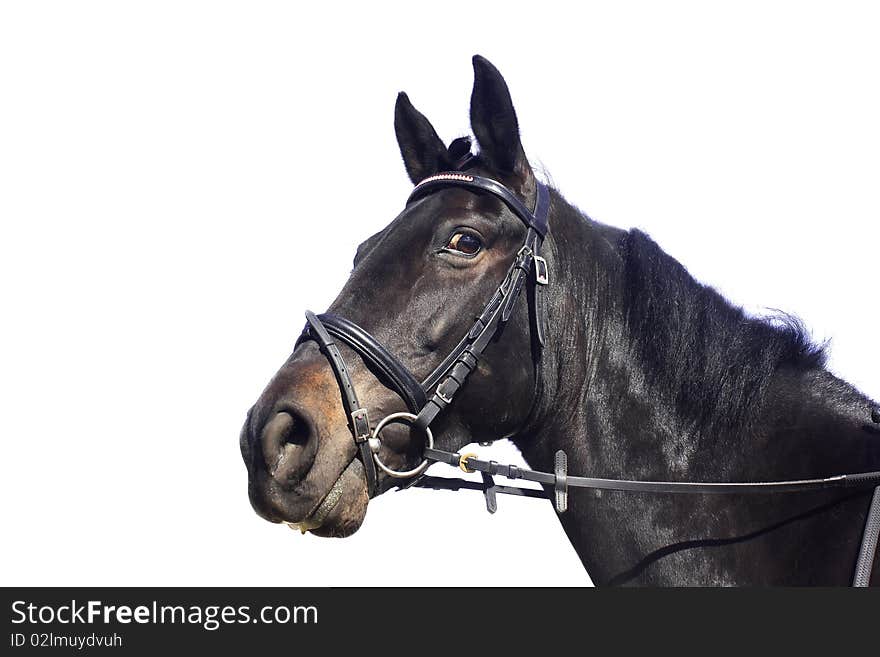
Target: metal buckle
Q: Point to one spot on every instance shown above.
(462, 462)
(542, 274)
(360, 422)
(446, 398)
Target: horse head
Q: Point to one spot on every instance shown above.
(415, 289)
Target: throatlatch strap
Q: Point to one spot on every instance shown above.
(542, 275)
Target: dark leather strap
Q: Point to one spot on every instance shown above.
(391, 370)
(496, 312)
(357, 415)
(455, 484)
(434, 377)
(858, 480)
(560, 481)
(542, 207)
(489, 490)
(536, 220)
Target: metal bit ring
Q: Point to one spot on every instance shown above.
(375, 443)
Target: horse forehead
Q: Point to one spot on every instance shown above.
(455, 202)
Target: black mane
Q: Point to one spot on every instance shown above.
(703, 354)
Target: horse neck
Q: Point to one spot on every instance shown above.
(626, 405)
(636, 383)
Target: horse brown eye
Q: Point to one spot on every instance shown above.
(465, 243)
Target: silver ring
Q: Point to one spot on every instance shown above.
(406, 418)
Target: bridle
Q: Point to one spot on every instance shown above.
(427, 399)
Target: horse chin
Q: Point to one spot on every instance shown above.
(342, 510)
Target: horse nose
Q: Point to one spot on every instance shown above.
(289, 443)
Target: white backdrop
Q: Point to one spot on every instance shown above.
(170, 202)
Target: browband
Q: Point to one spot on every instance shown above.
(536, 220)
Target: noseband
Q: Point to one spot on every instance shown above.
(427, 399)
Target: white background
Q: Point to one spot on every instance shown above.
(180, 180)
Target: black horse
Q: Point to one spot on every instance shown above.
(645, 374)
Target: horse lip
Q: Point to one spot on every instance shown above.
(324, 506)
(316, 518)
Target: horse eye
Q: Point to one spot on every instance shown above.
(465, 243)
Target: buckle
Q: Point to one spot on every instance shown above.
(462, 462)
(446, 397)
(542, 274)
(360, 422)
(523, 256)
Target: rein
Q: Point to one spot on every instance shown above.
(426, 400)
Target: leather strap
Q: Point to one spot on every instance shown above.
(540, 279)
(536, 220)
(542, 276)
(456, 484)
(390, 369)
(560, 481)
(357, 415)
(858, 480)
(496, 312)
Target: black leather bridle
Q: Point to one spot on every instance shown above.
(427, 399)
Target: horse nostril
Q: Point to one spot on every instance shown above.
(286, 428)
(298, 432)
(288, 444)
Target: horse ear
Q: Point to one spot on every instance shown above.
(424, 153)
(494, 123)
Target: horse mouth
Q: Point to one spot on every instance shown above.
(317, 517)
(330, 516)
